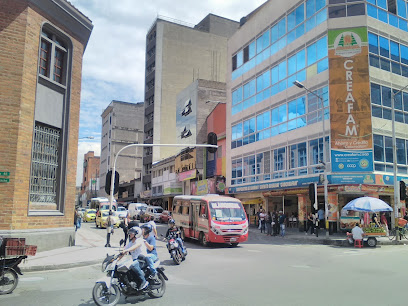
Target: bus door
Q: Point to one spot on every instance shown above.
(195, 210)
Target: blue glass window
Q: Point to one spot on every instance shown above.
(263, 121)
(310, 8)
(388, 149)
(397, 100)
(236, 131)
(372, 11)
(252, 49)
(402, 24)
(249, 126)
(292, 20)
(375, 94)
(382, 16)
(282, 70)
(237, 96)
(373, 43)
(275, 74)
(374, 61)
(405, 102)
(378, 148)
(282, 27)
(282, 113)
(300, 30)
(249, 89)
(401, 8)
(310, 24)
(322, 16)
(274, 33)
(404, 54)
(393, 20)
(321, 46)
(382, 4)
(384, 64)
(376, 111)
(311, 54)
(320, 4)
(300, 14)
(386, 96)
(300, 60)
(292, 65)
(401, 155)
(384, 46)
(323, 65)
(372, 1)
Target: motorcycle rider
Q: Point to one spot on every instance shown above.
(174, 231)
(136, 247)
(150, 242)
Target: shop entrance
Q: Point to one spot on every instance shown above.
(288, 205)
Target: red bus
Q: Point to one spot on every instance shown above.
(211, 218)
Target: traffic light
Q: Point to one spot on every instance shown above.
(108, 182)
(403, 191)
(212, 140)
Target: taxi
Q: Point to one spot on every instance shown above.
(89, 215)
(102, 219)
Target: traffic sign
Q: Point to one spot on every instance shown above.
(4, 180)
(4, 173)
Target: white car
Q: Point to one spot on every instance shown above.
(154, 211)
(121, 212)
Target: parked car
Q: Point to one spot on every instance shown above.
(102, 219)
(89, 215)
(121, 212)
(154, 211)
(135, 209)
(165, 216)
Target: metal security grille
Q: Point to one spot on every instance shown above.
(43, 179)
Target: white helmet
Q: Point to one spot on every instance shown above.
(137, 231)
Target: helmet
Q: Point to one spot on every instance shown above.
(171, 221)
(137, 231)
(147, 228)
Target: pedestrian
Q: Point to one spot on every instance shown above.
(109, 229)
(262, 216)
(259, 220)
(282, 219)
(268, 223)
(133, 222)
(275, 223)
(310, 224)
(384, 223)
(154, 227)
(124, 227)
(374, 219)
(320, 214)
(76, 219)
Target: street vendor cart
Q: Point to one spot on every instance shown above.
(368, 205)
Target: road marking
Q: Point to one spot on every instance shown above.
(31, 279)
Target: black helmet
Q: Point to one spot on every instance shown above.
(147, 228)
(171, 221)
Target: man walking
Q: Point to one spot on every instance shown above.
(282, 219)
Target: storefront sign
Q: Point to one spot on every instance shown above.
(350, 105)
(275, 185)
(371, 179)
(187, 175)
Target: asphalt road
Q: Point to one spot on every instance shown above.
(255, 273)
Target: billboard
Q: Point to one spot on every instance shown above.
(350, 105)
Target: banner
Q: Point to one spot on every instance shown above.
(350, 105)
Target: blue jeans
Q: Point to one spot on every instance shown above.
(282, 227)
(150, 259)
(180, 242)
(135, 267)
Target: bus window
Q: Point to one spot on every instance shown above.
(203, 210)
(176, 209)
(185, 210)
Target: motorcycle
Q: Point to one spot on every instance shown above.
(175, 250)
(9, 271)
(119, 279)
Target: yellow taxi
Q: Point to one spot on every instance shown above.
(102, 219)
(89, 215)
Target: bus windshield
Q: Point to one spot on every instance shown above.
(227, 211)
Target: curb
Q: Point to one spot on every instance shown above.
(61, 266)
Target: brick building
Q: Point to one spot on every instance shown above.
(42, 43)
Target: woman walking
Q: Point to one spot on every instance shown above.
(268, 223)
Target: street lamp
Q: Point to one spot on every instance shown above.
(394, 154)
(324, 161)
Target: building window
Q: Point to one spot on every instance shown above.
(52, 57)
(45, 165)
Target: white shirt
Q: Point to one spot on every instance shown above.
(262, 216)
(357, 233)
(142, 250)
(154, 226)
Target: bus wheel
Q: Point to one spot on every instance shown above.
(234, 245)
(203, 240)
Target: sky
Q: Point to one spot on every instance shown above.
(114, 59)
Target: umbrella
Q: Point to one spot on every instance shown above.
(367, 204)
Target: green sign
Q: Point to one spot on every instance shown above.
(4, 173)
(4, 180)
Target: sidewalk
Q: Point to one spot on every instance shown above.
(89, 247)
(88, 250)
(338, 239)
